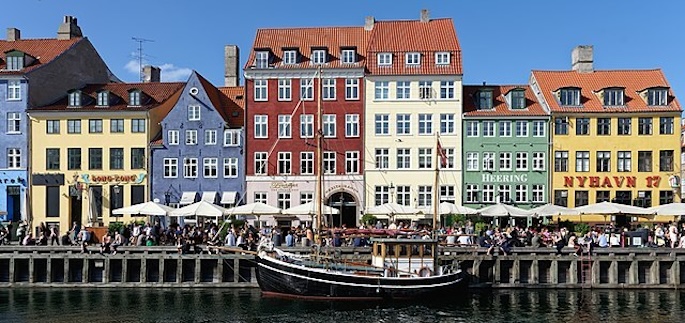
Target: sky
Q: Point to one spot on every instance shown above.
(501, 40)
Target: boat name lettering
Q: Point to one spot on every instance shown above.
(489, 178)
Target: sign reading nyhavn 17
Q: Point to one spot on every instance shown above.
(610, 181)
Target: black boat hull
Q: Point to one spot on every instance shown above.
(283, 279)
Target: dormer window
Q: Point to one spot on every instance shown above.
(75, 98)
(103, 98)
(384, 59)
(413, 59)
(349, 56)
(319, 56)
(15, 63)
(613, 97)
(518, 99)
(569, 97)
(134, 98)
(484, 100)
(442, 58)
(262, 59)
(290, 56)
(657, 96)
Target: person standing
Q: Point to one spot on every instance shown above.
(54, 235)
(10, 226)
(21, 232)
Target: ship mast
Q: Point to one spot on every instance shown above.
(319, 159)
(436, 185)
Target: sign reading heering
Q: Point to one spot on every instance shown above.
(500, 178)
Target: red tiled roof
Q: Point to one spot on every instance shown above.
(500, 107)
(633, 81)
(44, 50)
(234, 105)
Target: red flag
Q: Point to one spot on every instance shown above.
(443, 155)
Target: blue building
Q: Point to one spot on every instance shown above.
(199, 153)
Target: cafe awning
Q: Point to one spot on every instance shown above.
(187, 198)
(228, 197)
(209, 196)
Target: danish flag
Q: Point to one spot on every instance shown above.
(443, 155)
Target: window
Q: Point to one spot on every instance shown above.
(13, 158)
(94, 158)
(230, 167)
(666, 160)
(561, 197)
(538, 193)
(137, 158)
(504, 192)
(134, 98)
(538, 161)
(306, 89)
(103, 99)
(329, 162)
(644, 199)
(329, 126)
(261, 197)
(384, 59)
(505, 161)
(13, 90)
(382, 195)
(521, 193)
(624, 197)
(73, 158)
(449, 153)
(191, 137)
(624, 126)
(290, 57)
(75, 99)
(404, 124)
(382, 158)
(74, 126)
(425, 196)
(306, 197)
(484, 100)
(319, 56)
(307, 163)
(561, 126)
(538, 128)
(425, 90)
(644, 126)
(403, 158)
(52, 158)
(425, 124)
(328, 89)
(260, 163)
(138, 125)
(472, 193)
(488, 128)
(613, 97)
(521, 161)
(15, 62)
(349, 56)
(284, 163)
(665, 197)
(306, 126)
(284, 126)
(442, 58)
(582, 198)
(351, 89)
(190, 167)
(262, 59)
(284, 90)
(403, 195)
(582, 161)
(52, 126)
(488, 161)
(518, 99)
(602, 196)
(603, 161)
(425, 158)
(210, 137)
(13, 122)
(117, 126)
(505, 128)
(170, 167)
(261, 92)
(283, 201)
(95, 126)
(210, 167)
(472, 128)
(561, 161)
(381, 90)
(446, 123)
(351, 125)
(194, 113)
(488, 193)
(116, 158)
(569, 97)
(657, 97)
(603, 126)
(447, 89)
(521, 128)
(666, 125)
(472, 161)
(624, 161)
(382, 124)
(352, 162)
(403, 89)
(412, 58)
(582, 126)
(172, 137)
(644, 161)
(261, 126)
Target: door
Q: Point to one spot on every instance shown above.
(347, 206)
(75, 209)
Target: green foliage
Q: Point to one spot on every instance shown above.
(480, 226)
(369, 219)
(115, 227)
(581, 228)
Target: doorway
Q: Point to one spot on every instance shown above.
(347, 205)
(75, 209)
(13, 203)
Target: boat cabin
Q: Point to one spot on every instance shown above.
(405, 257)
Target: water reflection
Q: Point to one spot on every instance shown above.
(235, 305)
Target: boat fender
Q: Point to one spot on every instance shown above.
(425, 272)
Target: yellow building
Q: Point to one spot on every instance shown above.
(89, 151)
(615, 136)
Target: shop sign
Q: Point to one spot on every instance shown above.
(283, 186)
(341, 187)
(503, 178)
(115, 178)
(610, 181)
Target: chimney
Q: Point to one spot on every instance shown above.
(69, 29)
(581, 59)
(13, 34)
(369, 22)
(424, 15)
(231, 61)
(151, 74)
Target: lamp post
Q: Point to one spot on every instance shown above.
(392, 192)
(117, 190)
(167, 198)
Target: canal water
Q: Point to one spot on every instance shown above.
(230, 305)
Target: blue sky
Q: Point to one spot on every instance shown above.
(501, 40)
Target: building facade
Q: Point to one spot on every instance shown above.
(506, 143)
(615, 134)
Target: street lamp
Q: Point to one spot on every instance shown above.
(392, 192)
(167, 198)
(117, 190)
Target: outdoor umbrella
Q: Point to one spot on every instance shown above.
(551, 210)
(668, 209)
(147, 208)
(310, 209)
(610, 208)
(201, 208)
(503, 210)
(256, 208)
(392, 209)
(451, 208)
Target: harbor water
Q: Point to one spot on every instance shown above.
(247, 305)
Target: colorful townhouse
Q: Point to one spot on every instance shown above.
(27, 79)
(506, 143)
(615, 134)
(289, 71)
(413, 100)
(90, 150)
(198, 154)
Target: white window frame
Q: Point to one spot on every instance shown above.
(521, 193)
(306, 163)
(538, 193)
(472, 129)
(329, 126)
(285, 91)
(319, 56)
(538, 161)
(306, 126)
(328, 89)
(412, 58)
(190, 167)
(13, 122)
(539, 128)
(13, 90)
(403, 158)
(262, 59)
(425, 90)
(449, 152)
(442, 58)
(191, 137)
(194, 113)
(425, 158)
(403, 124)
(134, 98)
(384, 59)
(231, 138)
(210, 137)
(352, 162)
(471, 193)
(381, 90)
(447, 124)
(261, 163)
(13, 158)
(403, 90)
(381, 195)
(447, 90)
(285, 128)
(382, 124)
(488, 128)
(170, 168)
(521, 129)
(382, 158)
(307, 89)
(472, 161)
(210, 167)
(285, 163)
(351, 125)
(488, 193)
(173, 137)
(521, 161)
(261, 197)
(261, 90)
(488, 161)
(349, 56)
(261, 126)
(425, 196)
(425, 124)
(505, 161)
(290, 57)
(351, 89)
(504, 128)
(504, 192)
(231, 167)
(329, 162)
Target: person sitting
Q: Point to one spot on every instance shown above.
(118, 241)
(29, 240)
(106, 243)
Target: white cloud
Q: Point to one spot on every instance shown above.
(170, 73)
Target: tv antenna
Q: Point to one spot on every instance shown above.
(140, 54)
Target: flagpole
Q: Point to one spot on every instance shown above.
(436, 185)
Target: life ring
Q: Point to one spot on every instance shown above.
(425, 272)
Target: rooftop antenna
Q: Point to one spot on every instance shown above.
(140, 55)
